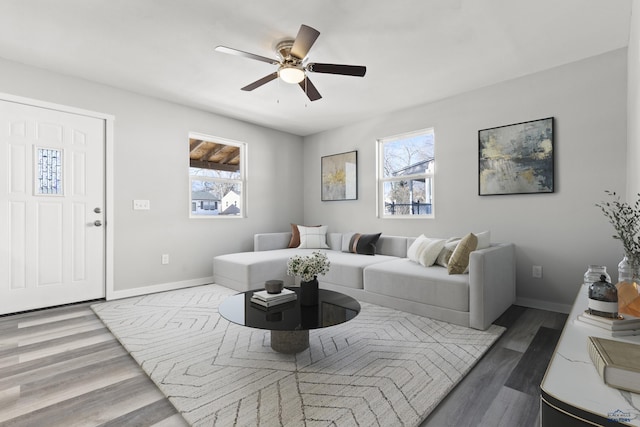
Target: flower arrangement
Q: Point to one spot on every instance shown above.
(308, 267)
(625, 218)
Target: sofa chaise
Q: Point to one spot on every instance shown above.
(388, 278)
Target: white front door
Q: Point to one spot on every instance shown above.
(51, 207)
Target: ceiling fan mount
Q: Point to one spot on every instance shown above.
(292, 54)
(283, 50)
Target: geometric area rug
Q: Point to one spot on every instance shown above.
(384, 367)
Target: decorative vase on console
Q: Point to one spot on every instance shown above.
(625, 219)
(308, 268)
(603, 298)
(628, 291)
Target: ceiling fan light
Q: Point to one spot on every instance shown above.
(291, 74)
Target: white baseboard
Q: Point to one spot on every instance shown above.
(544, 305)
(162, 287)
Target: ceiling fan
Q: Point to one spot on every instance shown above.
(292, 65)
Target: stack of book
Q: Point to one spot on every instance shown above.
(617, 362)
(624, 326)
(265, 299)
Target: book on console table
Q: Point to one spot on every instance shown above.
(625, 326)
(617, 362)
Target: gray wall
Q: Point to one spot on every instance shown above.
(633, 105)
(151, 162)
(563, 232)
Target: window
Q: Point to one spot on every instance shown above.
(405, 175)
(217, 177)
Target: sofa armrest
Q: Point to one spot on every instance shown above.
(492, 283)
(271, 241)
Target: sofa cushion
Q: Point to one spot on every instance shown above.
(347, 268)
(392, 245)
(243, 271)
(313, 237)
(404, 279)
(459, 260)
(364, 244)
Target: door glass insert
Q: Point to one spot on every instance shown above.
(48, 171)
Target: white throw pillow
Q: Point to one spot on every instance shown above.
(484, 239)
(313, 237)
(412, 252)
(429, 251)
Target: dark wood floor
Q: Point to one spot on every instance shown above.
(502, 390)
(62, 367)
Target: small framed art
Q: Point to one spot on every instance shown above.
(516, 159)
(339, 176)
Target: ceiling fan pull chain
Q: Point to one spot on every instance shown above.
(279, 91)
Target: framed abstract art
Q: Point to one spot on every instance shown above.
(339, 176)
(517, 158)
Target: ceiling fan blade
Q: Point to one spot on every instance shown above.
(304, 40)
(258, 83)
(236, 52)
(310, 89)
(345, 70)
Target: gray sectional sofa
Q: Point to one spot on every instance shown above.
(387, 278)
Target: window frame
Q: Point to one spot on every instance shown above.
(381, 180)
(242, 180)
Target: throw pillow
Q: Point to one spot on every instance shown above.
(313, 237)
(346, 238)
(446, 252)
(295, 235)
(363, 244)
(460, 258)
(412, 252)
(484, 239)
(429, 251)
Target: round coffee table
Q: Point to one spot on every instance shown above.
(290, 322)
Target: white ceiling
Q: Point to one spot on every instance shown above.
(416, 51)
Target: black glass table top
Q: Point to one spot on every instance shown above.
(333, 308)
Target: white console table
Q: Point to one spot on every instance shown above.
(572, 392)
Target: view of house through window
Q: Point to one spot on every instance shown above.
(216, 173)
(405, 175)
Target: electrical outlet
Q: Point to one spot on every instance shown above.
(536, 272)
(165, 259)
(141, 205)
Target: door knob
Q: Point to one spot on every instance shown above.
(97, 223)
(97, 210)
